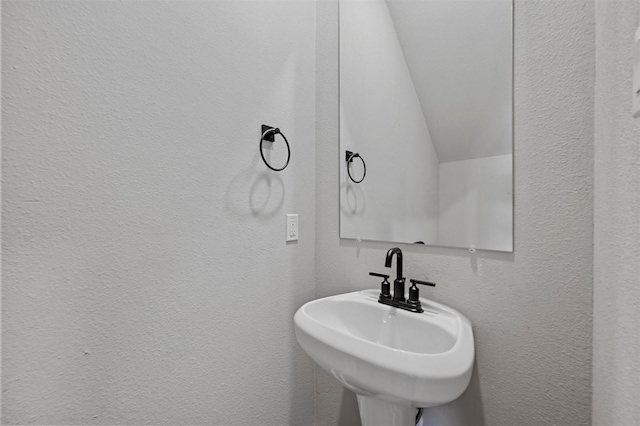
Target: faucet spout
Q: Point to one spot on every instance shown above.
(389, 258)
(398, 283)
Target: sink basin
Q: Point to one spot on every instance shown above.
(400, 357)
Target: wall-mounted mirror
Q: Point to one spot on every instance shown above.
(426, 101)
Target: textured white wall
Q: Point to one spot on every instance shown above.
(616, 295)
(531, 309)
(146, 278)
(476, 203)
(381, 118)
(0, 208)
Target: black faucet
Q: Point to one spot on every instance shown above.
(413, 303)
(398, 283)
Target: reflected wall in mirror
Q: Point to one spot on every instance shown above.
(426, 100)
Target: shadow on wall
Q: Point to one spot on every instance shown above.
(264, 189)
(466, 410)
(348, 415)
(353, 201)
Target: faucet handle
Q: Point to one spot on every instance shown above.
(414, 293)
(375, 274)
(385, 291)
(414, 282)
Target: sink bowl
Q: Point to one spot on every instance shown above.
(404, 358)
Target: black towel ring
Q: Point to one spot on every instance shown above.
(268, 134)
(350, 156)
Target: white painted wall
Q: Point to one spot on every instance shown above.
(531, 309)
(616, 287)
(476, 203)
(381, 118)
(1, 275)
(146, 279)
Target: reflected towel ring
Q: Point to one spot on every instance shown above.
(268, 134)
(350, 156)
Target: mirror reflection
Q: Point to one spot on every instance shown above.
(426, 102)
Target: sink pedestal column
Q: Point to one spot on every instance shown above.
(378, 412)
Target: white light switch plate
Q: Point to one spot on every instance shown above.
(292, 227)
(636, 75)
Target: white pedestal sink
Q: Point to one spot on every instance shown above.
(394, 360)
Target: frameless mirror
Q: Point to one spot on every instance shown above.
(426, 118)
